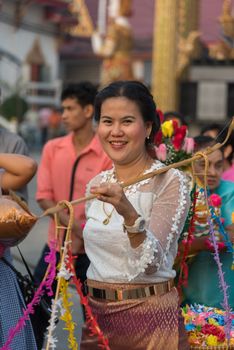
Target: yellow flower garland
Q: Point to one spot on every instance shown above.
(67, 315)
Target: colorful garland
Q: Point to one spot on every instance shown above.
(66, 315)
(90, 318)
(206, 326)
(44, 287)
(222, 284)
(63, 304)
(187, 238)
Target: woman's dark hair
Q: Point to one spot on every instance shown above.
(212, 127)
(136, 92)
(230, 142)
(203, 141)
(175, 115)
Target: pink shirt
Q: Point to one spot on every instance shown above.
(55, 171)
(229, 174)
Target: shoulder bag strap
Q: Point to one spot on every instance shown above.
(26, 265)
(72, 183)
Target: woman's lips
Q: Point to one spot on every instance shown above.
(117, 145)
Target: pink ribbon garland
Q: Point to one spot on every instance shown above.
(44, 287)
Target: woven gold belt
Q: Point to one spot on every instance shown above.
(125, 294)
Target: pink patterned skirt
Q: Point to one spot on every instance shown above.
(152, 323)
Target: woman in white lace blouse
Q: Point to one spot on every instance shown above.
(131, 234)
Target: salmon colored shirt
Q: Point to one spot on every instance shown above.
(55, 171)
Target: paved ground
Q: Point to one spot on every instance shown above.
(31, 248)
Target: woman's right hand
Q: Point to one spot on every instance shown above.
(113, 193)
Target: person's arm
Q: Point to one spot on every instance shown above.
(19, 170)
(197, 245)
(15, 144)
(63, 216)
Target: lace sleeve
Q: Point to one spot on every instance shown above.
(167, 218)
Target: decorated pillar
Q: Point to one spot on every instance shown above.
(176, 43)
(164, 83)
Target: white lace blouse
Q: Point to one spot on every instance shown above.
(163, 201)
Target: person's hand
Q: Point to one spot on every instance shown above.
(113, 193)
(77, 238)
(77, 244)
(76, 234)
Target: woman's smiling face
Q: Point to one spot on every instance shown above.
(122, 130)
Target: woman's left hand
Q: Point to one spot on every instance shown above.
(113, 193)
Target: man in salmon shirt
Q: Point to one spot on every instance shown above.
(67, 164)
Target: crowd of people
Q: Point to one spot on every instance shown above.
(40, 125)
(126, 239)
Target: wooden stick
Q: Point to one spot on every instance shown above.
(181, 163)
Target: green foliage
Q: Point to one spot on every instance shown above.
(14, 107)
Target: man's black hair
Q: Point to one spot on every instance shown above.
(84, 92)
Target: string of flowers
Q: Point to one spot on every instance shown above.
(51, 339)
(90, 318)
(214, 201)
(189, 228)
(222, 284)
(44, 287)
(66, 315)
(173, 145)
(63, 273)
(233, 244)
(58, 302)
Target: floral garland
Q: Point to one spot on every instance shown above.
(211, 218)
(44, 287)
(187, 238)
(173, 145)
(63, 303)
(66, 314)
(90, 318)
(205, 326)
